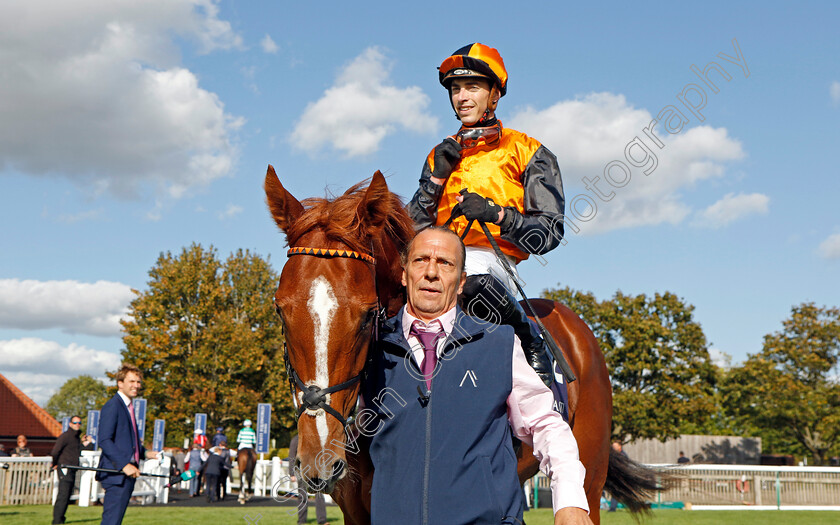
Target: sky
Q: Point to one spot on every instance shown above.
(130, 129)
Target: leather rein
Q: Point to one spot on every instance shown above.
(315, 398)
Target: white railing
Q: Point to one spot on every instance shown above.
(707, 487)
(32, 481)
(755, 486)
(25, 481)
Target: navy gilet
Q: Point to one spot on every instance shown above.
(444, 456)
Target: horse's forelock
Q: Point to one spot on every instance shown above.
(340, 221)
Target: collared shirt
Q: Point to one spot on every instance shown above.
(128, 406)
(531, 418)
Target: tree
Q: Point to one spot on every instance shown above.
(76, 396)
(207, 339)
(789, 393)
(662, 376)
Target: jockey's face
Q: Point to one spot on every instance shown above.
(433, 275)
(471, 97)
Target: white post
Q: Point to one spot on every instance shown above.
(276, 472)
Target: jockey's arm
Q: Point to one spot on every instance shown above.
(540, 228)
(424, 205)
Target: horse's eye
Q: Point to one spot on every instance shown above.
(369, 317)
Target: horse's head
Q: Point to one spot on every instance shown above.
(343, 267)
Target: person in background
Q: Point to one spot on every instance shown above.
(219, 437)
(87, 443)
(682, 460)
(214, 469)
(21, 450)
(303, 506)
(3, 453)
(122, 449)
(196, 465)
(247, 437)
(66, 451)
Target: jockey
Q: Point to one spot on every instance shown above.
(496, 175)
(246, 438)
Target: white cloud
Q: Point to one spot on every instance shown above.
(93, 91)
(268, 45)
(231, 211)
(720, 358)
(588, 133)
(731, 208)
(40, 367)
(72, 306)
(361, 109)
(835, 93)
(830, 247)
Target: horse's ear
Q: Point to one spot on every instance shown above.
(284, 207)
(375, 208)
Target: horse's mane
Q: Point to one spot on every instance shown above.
(340, 221)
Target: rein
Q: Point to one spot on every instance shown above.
(314, 397)
(549, 340)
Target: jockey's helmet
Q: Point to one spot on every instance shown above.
(247, 422)
(474, 60)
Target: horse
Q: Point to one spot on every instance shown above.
(341, 278)
(246, 462)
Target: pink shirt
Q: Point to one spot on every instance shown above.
(532, 419)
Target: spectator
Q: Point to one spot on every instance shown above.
(196, 464)
(303, 507)
(21, 450)
(219, 437)
(66, 451)
(3, 453)
(682, 460)
(214, 469)
(87, 443)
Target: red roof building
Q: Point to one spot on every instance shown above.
(21, 415)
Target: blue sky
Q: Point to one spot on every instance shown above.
(129, 129)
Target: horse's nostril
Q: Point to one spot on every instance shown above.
(338, 468)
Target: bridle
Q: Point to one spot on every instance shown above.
(315, 398)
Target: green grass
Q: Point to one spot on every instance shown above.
(138, 515)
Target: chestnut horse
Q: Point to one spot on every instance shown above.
(342, 275)
(246, 462)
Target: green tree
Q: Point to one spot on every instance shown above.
(208, 340)
(789, 393)
(76, 396)
(662, 377)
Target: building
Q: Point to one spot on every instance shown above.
(21, 415)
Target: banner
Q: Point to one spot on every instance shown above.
(200, 424)
(65, 424)
(93, 427)
(263, 427)
(140, 416)
(157, 440)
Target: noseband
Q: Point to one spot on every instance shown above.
(315, 398)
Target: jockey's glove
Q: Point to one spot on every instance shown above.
(447, 154)
(476, 207)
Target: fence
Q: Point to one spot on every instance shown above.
(26, 481)
(757, 486)
(706, 487)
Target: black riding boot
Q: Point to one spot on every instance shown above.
(487, 298)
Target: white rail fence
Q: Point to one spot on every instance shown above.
(760, 487)
(31, 481)
(748, 487)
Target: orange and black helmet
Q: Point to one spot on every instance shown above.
(475, 60)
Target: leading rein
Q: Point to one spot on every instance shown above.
(314, 397)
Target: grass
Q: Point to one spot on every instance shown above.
(138, 515)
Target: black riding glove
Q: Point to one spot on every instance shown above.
(447, 155)
(476, 207)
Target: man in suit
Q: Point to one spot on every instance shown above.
(121, 446)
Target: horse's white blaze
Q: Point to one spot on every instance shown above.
(322, 305)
